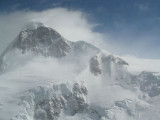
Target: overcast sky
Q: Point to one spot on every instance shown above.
(127, 27)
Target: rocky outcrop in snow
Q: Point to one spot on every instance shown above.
(106, 64)
(42, 40)
(149, 83)
(70, 100)
(45, 41)
(49, 103)
(95, 67)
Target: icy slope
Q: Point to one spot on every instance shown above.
(46, 42)
(46, 77)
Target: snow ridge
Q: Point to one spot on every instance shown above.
(45, 59)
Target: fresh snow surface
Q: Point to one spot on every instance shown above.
(140, 64)
(83, 83)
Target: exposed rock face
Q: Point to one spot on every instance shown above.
(77, 102)
(48, 109)
(113, 59)
(47, 104)
(42, 40)
(95, 67)
(149, 83)
(113, 66)
(47, 42)
(51, 103)
(106, 64)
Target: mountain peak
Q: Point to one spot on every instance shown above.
(42, 40)
(32, 25)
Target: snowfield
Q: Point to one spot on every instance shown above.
(43, 76)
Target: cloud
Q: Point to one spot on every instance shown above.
(72, 24)
(138, 65)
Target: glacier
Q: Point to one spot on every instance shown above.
(44, 76)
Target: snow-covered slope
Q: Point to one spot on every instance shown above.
(46, 77)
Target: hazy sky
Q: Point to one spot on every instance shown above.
(129, 27)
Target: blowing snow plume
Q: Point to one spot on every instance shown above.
(45, 76)
(72, 24)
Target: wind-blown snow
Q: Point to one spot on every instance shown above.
(140, 64)
(83, 83)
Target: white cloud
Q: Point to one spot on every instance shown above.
(139, 64)
(73, 25)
